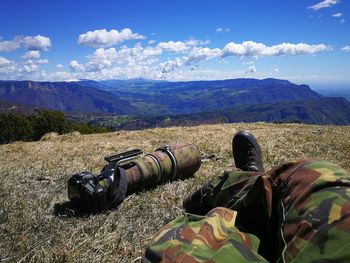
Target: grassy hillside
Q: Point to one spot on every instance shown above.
(34, 175)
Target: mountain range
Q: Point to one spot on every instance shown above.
(149, 103)
(64, 96)
(160, 97)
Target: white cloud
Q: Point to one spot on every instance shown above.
(247, 48)
(170, 65)
(324, 4)
(251, 69)
(276, 70)
(222, 30)
(172, 46)
(126, 62)
(29, 69)
(42, 61)
(32, 54)
(250, 48)
(346, 48)
(253, 49)
(337, 15)
(4, 62)
(75, 66)
(104, 38)
(168, 60)
(9, 45)
(37, 61)
(36, 43)
(27, 42)
(198, 54)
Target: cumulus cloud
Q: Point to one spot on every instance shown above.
(253, 49)
(59, 66)
(75, 66)
(37, 61)
(33, 43)
(32, 54)
(198, 54)
(4, 62)
(170, 65)
(42, 61)
(324, 4)
(104, 38)
(7, 68)
(346, 48)
(36, 43)
(137, 61)
(9, 45)
(337, 15)
(222, 30)
(250, 48)
(177, 46)
(172, 46)
(30, 69)
(150, 61)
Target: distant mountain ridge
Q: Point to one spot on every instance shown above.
(63, 96)
(325, 111)
(151, 103)
(161, 97)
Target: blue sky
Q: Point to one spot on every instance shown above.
(303, 41)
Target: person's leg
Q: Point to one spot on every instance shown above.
(249, 192)
(314, 211)
(208, 231)
(300, 211)
(209, 238)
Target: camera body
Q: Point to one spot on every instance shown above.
(85, 189)
(96, 193)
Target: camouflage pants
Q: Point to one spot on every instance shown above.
(297, 212)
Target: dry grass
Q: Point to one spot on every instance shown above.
(34, 175)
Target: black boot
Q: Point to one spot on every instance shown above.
(247, 152)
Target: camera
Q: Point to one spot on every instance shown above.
(128, 172)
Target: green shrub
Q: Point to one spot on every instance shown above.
(21, 127)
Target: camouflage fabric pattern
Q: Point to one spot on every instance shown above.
(210, 238)
(300, 212)
(167, 163)
(315, 197)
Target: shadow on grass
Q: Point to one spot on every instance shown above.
(67, 210)
(71, 209)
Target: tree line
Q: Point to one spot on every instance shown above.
(22, 127)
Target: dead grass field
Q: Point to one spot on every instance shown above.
(34, 175)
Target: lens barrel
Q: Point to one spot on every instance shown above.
(168, 163)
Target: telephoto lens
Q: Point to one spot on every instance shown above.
(168, 163)
(127, 173)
